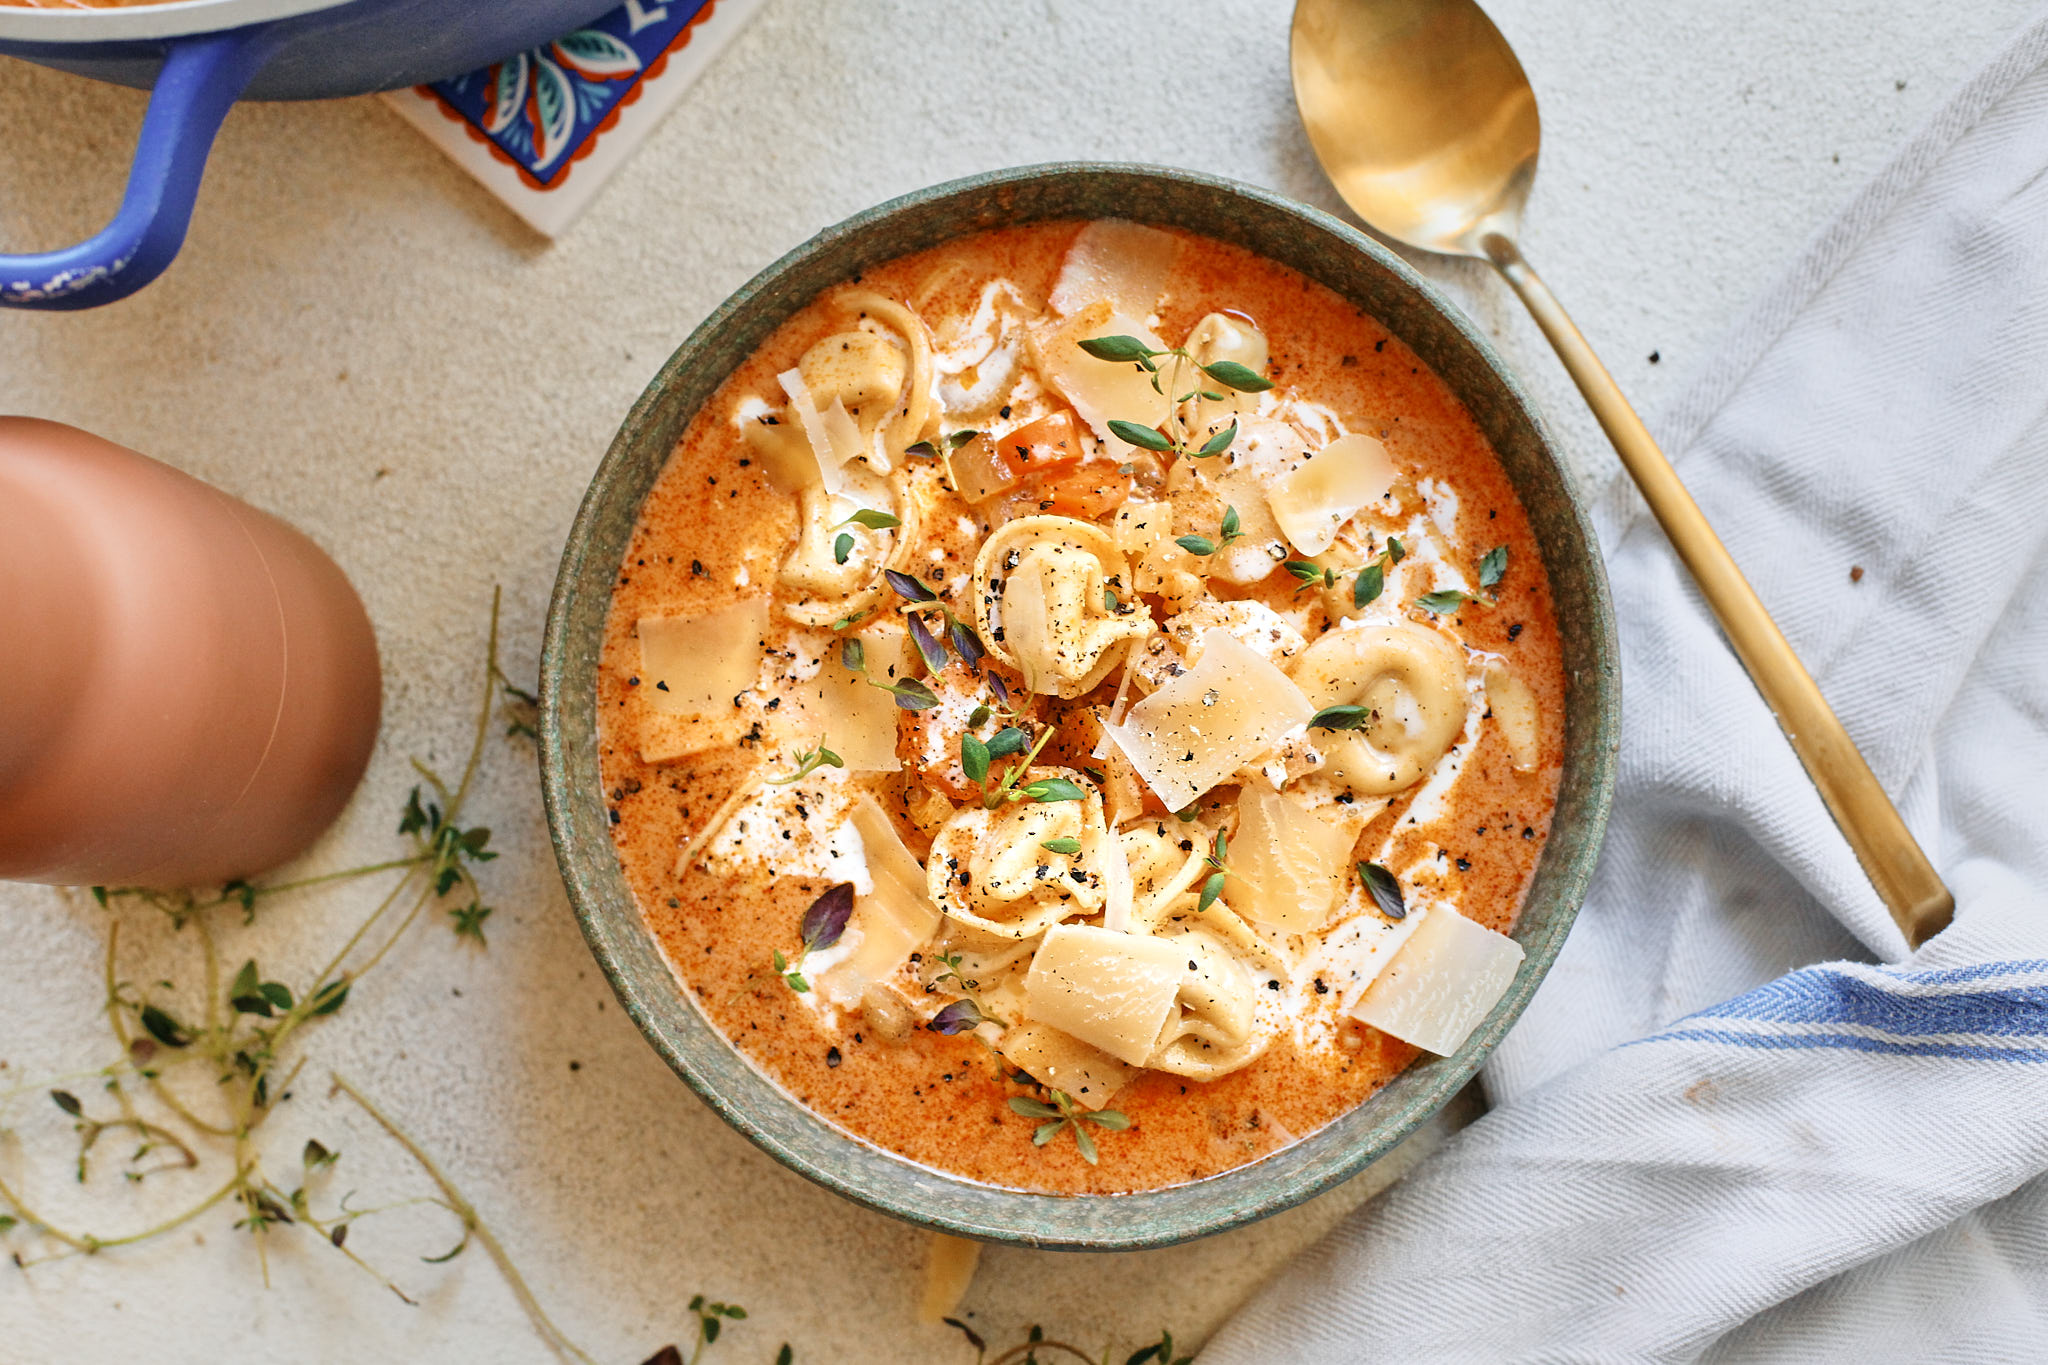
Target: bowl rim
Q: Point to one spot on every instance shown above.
(1269, 1184)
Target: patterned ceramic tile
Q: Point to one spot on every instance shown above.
(545, 128)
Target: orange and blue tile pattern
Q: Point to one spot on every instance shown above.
(541, 110)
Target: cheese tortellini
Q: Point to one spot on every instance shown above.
(1211, 1031)
(1052, 600)
(991, 869)
(1411, 681)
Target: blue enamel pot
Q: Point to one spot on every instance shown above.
(198, 57)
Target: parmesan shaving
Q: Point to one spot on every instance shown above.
(1060, 1061)
(948, 1271)
(1229, 711)
(841, 710)
(1103, 389)
(696, 665)
(1313, 502)
(835, 442)
(1118, 262)
(1284, 863)
(893, 921)
(1444, 981)
(1112, 991)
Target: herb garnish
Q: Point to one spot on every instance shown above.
(1175, 440)
(976, 754)
(1491, 570)
(1311, 575)
(820, 927)
(1212, 887)
(1372, 579)
(1226, 532)
(1340, 718)
(809, 761)
(1061, 1114)
(1386, 890)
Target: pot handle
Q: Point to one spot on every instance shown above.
(200, 79)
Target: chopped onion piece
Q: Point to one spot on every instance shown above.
(696, 665)
(1112, 991)
(1225, 713)
(1313, 501)
(1285, 863)
(1444, 981)
(1121, 262)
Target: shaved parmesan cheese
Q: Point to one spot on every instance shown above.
(1103, 389)
(835, 443)
(1118, 892)
(948, 1272)
(1226, 712)
(779, 449)
(1112, 991)
(1445, 980)
(890, 923)
(1285, 863)
(841, 710)
(1251, 556)
(1061, 1061)
(1314, 501)
(1115, 261)
(1514, 708)
(696, 665)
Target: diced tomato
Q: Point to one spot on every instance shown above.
(1089, 491)
(987, 466)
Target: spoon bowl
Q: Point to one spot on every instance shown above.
(1421, 116)
(1426, 123)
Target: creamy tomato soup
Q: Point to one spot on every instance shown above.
(1081, 708)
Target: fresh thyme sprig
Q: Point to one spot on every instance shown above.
(1230, 529)
(1061, 1114)
(976, 754)
(820, 927)
(962, 1015)
(1216, 858)
(808, 761)
(241, 1035)
(928, 450)
(1310, 575)
(1175, 440)
(1491, 570)
(911, 694)
(920, 599)
(842, 546)
(1372, 579)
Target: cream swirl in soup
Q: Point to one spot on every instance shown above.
(1082, 707)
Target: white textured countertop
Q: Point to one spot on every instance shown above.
(359, 339)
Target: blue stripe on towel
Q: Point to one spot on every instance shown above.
(1822, 996)
(1854, 1043)
(1918, 1024)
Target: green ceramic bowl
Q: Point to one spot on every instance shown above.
(1323, 249)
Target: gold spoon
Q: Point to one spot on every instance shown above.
(1426, 124)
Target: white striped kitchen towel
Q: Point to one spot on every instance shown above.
(1720, 1133)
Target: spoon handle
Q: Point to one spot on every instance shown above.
(1894, 862)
